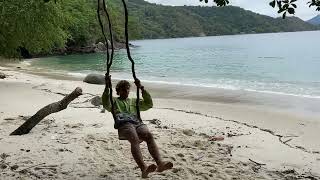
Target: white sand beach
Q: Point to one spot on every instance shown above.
(80, 142)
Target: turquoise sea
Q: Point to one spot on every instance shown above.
(277, 63)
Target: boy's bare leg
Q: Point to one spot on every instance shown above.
(146, 135)
(154, 151)
(132, 137)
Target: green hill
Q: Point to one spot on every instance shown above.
(315, 20)
(158, 21)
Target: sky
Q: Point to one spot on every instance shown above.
(258, 6)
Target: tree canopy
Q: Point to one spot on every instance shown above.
(42, 26)
(32, 24)
(283, 6)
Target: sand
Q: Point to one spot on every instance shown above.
(80, 142)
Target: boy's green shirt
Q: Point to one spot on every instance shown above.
(128, 105)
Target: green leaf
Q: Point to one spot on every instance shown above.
(221, 2)
(272, 3)
(291, 10)
(279, 3)
(284, 15)
(281, 10)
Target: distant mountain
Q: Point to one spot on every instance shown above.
(159, 21)
(315, 20)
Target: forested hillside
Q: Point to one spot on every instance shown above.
(315, 20)
(166, 21)
(39, 28)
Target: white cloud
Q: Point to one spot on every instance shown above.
(258, 6)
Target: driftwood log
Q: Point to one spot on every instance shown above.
(26, 127)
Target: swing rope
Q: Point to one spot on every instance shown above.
(130, 58)
(110, 57)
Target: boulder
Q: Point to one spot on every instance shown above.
(2, 75)
(94, 79)
(96, 101)
(100, 47)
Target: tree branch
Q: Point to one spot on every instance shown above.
(26, 127)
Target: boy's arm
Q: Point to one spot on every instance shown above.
(146, 103)
(106, 99)
(106, 95)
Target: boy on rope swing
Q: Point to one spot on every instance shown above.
(130, 127)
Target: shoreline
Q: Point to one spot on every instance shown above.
(286, 103)
(279, 139)
(240, 34)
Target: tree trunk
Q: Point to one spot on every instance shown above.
(26, 127)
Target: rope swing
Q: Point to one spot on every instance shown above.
(110, 56)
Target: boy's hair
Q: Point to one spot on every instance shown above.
(122, 84)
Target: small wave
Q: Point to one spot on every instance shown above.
(270, 57)
(230, 87)
(77, 74)
(219, 86)
(25, 63)
(283, 93)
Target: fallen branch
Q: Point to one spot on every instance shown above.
(49, 91)
(236, 135)
(102, 140)
(259, 164)
(26, 127)
(285, 142)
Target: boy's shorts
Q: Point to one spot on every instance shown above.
(127, 128)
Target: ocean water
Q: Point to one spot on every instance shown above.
(277, 63)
